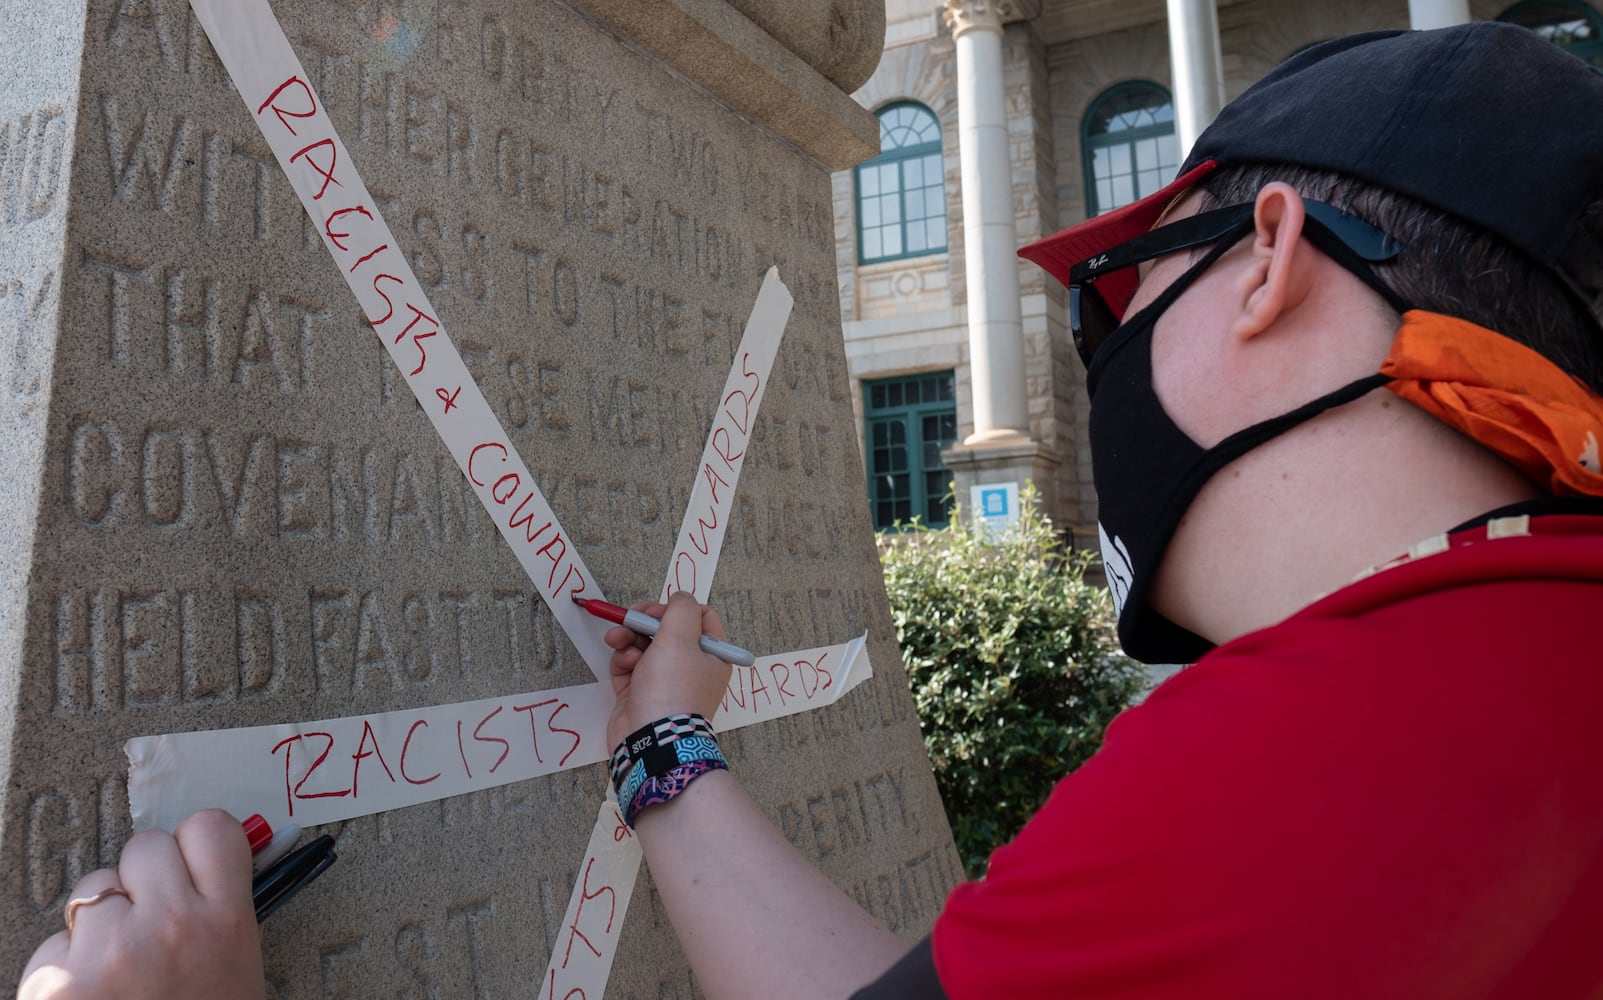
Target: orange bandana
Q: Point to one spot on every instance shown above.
(1506, 396)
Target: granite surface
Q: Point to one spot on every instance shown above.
(222, 507)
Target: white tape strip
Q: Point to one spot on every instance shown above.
(695, 560)
(701, 533)
(289, 113)
(334, 769)
(787, 683)
(587, 943)
(814, 678)
(774, 686)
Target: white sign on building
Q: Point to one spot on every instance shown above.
(994, 506)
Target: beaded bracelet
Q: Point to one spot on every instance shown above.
(656, 762)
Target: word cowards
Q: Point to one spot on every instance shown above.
(297, 127)
(701, 533)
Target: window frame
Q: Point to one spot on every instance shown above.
(911, 415)
(1088, 144)
(1588, 52)
(897, 156)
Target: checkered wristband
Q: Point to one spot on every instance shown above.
(657, 790)
(654, 749)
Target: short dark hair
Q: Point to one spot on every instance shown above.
(1447, 265)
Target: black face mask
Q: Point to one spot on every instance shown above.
(1147, 471)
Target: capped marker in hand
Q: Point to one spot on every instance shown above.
(273, 887)
(276, 874)
(644, 624)
(258, 831)
(268, 845)
(273, 851)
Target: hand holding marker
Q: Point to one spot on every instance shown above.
(644, 624)
(279, 874)
(277, 877)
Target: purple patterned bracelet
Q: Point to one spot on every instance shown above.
(657, 790)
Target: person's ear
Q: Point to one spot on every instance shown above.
(1278, 275)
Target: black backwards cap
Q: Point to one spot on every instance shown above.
(1488, 122)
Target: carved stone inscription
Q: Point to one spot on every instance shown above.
(243, 518)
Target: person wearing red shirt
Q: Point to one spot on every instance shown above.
(1345, 379)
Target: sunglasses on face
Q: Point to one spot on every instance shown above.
(1347, 239)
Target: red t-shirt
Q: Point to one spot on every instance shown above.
(1398, 792)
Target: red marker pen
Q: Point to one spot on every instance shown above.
(283, 841)
(644, 624)
(258, 831)
(266, 845)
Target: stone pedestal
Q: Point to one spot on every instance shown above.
(224, 509)
(1018, 461)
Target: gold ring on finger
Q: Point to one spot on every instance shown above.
(72, 905)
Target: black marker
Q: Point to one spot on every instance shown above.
(273, 887)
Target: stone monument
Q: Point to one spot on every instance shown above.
(223, 507)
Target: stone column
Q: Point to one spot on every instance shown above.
(1197, 67)
(995, 330)
(1001, 449)
(1423, 14)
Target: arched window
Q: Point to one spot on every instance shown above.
(901, 193)
(1129, 145)
(1570, 24)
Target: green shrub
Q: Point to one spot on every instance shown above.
(1013, 663)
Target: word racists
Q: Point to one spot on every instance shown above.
(334, 769)
(357, 237)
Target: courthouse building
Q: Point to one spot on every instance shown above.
(1002, 121)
